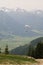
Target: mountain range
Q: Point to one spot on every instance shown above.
(21, 22)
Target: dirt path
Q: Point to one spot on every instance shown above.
(40, 61)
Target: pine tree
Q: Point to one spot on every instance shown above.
(0, 50)
(6, 50)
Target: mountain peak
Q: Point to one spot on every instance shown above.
(39, 11)
(5, 9)
(20, 10)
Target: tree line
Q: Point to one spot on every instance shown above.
(36, 52)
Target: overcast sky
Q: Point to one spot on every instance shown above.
(24, 4)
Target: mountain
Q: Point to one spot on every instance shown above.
(21, 50)
(32, 46)
(24, 50)
(35, 41)
(14, 22)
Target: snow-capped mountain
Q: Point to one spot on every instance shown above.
(15, 20)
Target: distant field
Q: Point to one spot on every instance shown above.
(14, 41)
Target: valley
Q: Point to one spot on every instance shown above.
(14, 41)
(21, 31)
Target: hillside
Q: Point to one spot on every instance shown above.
(23, 50)
(35, 41)
(33, 45)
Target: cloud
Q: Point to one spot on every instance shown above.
(27, 26)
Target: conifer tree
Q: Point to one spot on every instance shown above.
(6, 50)
(0, 50)
(39, 50)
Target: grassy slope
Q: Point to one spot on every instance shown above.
(15, 59)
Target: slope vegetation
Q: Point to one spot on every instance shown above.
(16, 59)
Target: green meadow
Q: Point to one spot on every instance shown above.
(13, 59)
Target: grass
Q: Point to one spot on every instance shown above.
(15, 59)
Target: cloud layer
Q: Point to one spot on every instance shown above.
(24, 4)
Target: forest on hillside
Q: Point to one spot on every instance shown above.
(36, 51)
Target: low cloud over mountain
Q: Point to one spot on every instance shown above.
(21, 22)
